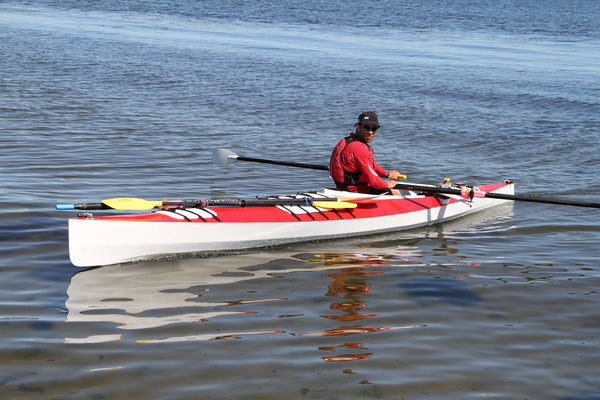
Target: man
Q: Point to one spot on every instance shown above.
(352, 165)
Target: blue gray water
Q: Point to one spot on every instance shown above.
(129, 98)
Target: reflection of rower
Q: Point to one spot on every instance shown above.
(349, 284)
(352, 330)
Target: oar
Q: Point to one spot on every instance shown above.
(470, 193)
(128, 203)
(224, 157)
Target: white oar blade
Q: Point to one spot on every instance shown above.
(223, 156)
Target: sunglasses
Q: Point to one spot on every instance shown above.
(370, 128)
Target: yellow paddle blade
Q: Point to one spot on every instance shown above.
(334, 204)
(129, 203)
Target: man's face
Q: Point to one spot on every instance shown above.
(366, 133)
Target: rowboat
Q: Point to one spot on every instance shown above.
(184, 228)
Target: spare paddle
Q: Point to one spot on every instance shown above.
(468, 192)
(224, 157)
(128, 203)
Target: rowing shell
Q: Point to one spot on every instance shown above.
(113, 239)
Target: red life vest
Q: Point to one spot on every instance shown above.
(340, 175)
(353, 167)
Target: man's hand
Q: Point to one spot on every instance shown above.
(391, 184)
(395, 175)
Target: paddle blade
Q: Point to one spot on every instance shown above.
(334, 204)
(128, 203)
(223, 156)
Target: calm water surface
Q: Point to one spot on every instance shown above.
(127, 98)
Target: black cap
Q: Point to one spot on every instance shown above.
(368, 118)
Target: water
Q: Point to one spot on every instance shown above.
(124, 98)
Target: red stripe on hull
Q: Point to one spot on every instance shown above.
(369, 208)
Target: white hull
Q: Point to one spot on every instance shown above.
(102, 241)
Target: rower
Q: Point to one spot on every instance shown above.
(352, 165)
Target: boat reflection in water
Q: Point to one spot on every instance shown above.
(150, 295)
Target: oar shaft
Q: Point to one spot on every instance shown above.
(287, 163)
(427, 188)
(542, 200)
(434, 189)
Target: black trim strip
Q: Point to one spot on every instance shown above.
(211, 212)
(321, 212)
(337, 213)
(351, 212)
(186, 218)
(307, 213)
(196, 214)
(291, 212)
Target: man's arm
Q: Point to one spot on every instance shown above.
(370, 171)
